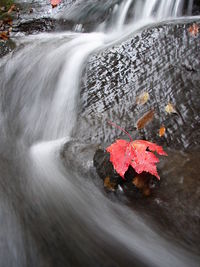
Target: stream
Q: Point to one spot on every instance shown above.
(54, 211)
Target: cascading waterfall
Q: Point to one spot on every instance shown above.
(190, 5)
(122, 14)
(148, 11)
(65, 97)
(58, 188)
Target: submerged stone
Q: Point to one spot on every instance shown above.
(173, 201)
(133, 184)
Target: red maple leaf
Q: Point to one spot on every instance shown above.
(193, 29)
(54, 3)
(136, 154)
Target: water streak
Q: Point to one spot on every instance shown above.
(136, 11)
(123, 14)
(49, 107)
(62, 115)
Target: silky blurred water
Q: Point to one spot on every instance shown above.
(65, 219)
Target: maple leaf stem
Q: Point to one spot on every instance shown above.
(123, 130)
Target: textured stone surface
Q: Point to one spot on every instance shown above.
(174, 205)
(68, 15)
(6, 47)
(163, 61)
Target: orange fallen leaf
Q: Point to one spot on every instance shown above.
(193, 29)
(11, 9)
(141, 181)
(145, 119)
(108, 184)
(170, 108)
(54, 3)
(4, 36)
(142, 99)
(162, 131)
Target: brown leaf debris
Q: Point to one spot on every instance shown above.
(11, 9)
(108, 184)
(162, 131)
(141, 181)
(4, 36)
(145, 119)
(142, 99)
(170, 108)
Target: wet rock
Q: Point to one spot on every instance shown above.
(81, 16)
(79, 156)
(39, 17)
(133, 185)
(6, 47)
(89, 14)
(30, 10)
(35, 26)
(31, 17)
(104, 167)
(196, 8)
(175, 205)
(84, 16)
(92, 160)
(162, 61)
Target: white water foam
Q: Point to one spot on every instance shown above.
(62, 115)
(113, 220)
(63, 108)
(133, 233)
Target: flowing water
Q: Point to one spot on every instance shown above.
(64, 218)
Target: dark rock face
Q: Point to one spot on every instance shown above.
(173, 202)
(132, 184)
(196, 7)
(92, 160)
(163, 61)
(38, 17)
(79, 156)
(89, 13)
(78, 15)
(105, 168)
(85, 16)
(35, 26)
(6, 47)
